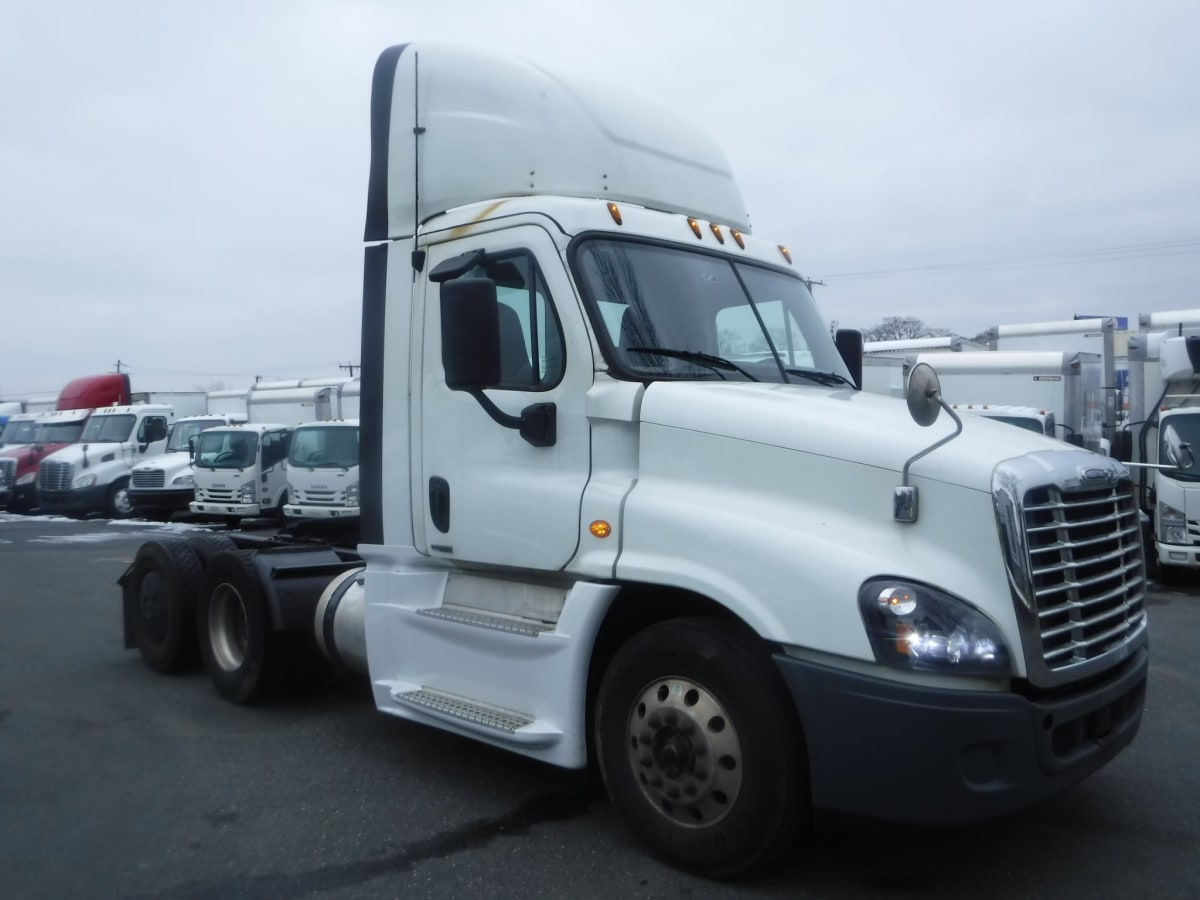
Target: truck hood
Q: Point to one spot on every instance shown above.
(839, 423)
(29, 455)
(95, 453)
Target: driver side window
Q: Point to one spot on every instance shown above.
(531, 339)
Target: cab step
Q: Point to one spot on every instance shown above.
(509, 725)
(484, 619)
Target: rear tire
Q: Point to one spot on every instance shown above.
(160, 604)
(206, 546)
(234, 628)
(700, 749)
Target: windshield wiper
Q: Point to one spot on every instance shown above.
(716, 363)
(829, 379)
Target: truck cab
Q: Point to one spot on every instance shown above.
(93, 474)
(240, 471)
(56, 429)
(164, 485)
(323, 471)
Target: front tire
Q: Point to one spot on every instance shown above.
(699, 747)
(118, 505)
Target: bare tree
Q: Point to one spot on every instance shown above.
(899, 328)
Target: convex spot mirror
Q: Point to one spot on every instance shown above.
(923, 391)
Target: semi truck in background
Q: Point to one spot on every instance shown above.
(92, 475)
(56, 429)
(622, 504)
(1162, 438)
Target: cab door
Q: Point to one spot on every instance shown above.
(486, 494)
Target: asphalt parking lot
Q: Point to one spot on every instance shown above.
(118, 782)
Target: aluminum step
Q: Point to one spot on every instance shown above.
(483, 619)
(465, 710)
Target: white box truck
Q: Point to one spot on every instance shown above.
(239, 471)
(1164, 418)
(322, 471)
(1069, 386)
(1091, 335)
(623, 506)
(165, 485)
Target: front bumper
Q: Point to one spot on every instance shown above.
(167, 500)
(933, 756)
(211, 508)
(1182, 555)
(79, 500)
(298, 511)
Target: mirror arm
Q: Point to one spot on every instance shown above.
(537, 423)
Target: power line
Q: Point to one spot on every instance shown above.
(1071, 257)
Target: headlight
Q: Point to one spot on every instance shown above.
(184, 480)
(915, 627)
(27, 478)
(1172, 526)
(352, 495)
(84, 481)
(247, 494)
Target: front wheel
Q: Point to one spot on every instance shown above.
(117, 505)
(700, 749)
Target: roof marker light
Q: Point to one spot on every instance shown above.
(695, 225)
(614, 212)
(787, 254)
(737, 238)
(716, 230)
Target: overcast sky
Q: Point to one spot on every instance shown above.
(183, 186)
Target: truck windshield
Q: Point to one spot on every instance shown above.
(23, 431)
(108, 429)
(1187, 430)
(183, 432)
(59, 432)
(324, 447)
(226, 449)
(714, 317)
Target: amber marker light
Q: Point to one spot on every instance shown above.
(600, 529)
(614, 212)
(737, 238)
(695, 225)
(787, 254)
(716, 230)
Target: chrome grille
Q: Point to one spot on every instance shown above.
(1085, 558)
(147, 480)
(8, 474)
(1070, 531)
(54, 475)
(318, 497)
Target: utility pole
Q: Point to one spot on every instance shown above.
(349, 367)
(118, 367)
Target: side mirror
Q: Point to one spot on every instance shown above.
(470, 334)
(849, 343)
(1179, 452)
(192, 447)
(1122, 446)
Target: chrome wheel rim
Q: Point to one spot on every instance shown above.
(228, 630)
(684, 752)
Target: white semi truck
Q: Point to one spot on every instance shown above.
(623, 506)
(92, 475)
(1162, 439)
